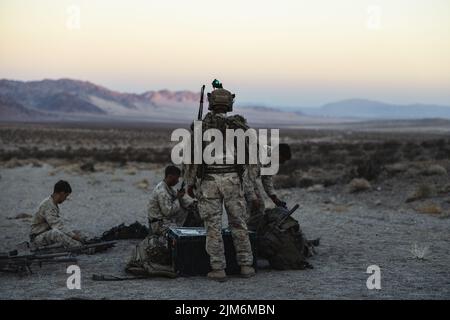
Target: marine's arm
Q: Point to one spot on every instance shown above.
(190, 177)
(249, 181)
(168, 205)
(267, 183)
(55, 222)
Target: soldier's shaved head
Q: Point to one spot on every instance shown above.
(172, 170)
(172, 175)
(62, 186)
(61, 191)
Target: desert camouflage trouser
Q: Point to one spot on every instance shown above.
(214, 191)
(152, 253)
(55, 236)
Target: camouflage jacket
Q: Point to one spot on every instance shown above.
(221, 122)
(48, 217)
(164, 204)
(254, 176)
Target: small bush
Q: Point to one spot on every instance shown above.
(435, 170)
(358, 185)
(430, 209)
(422, 191)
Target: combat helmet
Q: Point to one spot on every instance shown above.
(220, 98)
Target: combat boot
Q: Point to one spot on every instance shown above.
(247, 271)
(217, 275)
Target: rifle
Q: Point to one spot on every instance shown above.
(182, 186)
(201, 169)
(200, 109)
(90, 247)
(277, 223)
(287, 214)
(15, 262)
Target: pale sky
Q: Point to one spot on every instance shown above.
(270, 52)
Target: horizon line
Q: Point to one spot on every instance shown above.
(244, 104)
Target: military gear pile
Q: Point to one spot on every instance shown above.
(282, 244)
(151, 258)
(120, 232)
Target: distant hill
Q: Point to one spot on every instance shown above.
(67, 99)
(369, 109)
(13, 111)
(74, 100)
(68, 102)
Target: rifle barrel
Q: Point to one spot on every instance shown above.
(288, 214)
(49, 247)
(34, 256)
(200, 109)
(59, 260)
(104, 244)
(294, 208)
(60, 250)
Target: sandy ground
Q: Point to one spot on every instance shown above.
(356, 230)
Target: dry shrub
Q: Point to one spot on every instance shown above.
(316, 188)
(443, 153)
(306, 181)
(340, 208)
(397, 168)
(284, 181)
(390, 145)
(143, 184)
(423, 191)
(435, 169)
(12, 163)
(368, 169)
(358, 185)
(431, 208)
(444, 189)
(88, 167)
(131, 171)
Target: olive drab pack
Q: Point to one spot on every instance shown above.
(282, 244)
(221, 98)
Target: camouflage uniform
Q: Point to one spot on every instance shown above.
(164, 211)
(215, 190)
(255, 189)
(47, 227)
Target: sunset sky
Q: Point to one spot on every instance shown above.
(276, 53)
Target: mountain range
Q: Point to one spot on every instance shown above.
(74, 100)
(369, 109)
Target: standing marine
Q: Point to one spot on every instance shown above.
(221, 185)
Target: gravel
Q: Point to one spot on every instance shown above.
(374, 227)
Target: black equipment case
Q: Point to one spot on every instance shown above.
(189, 256)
